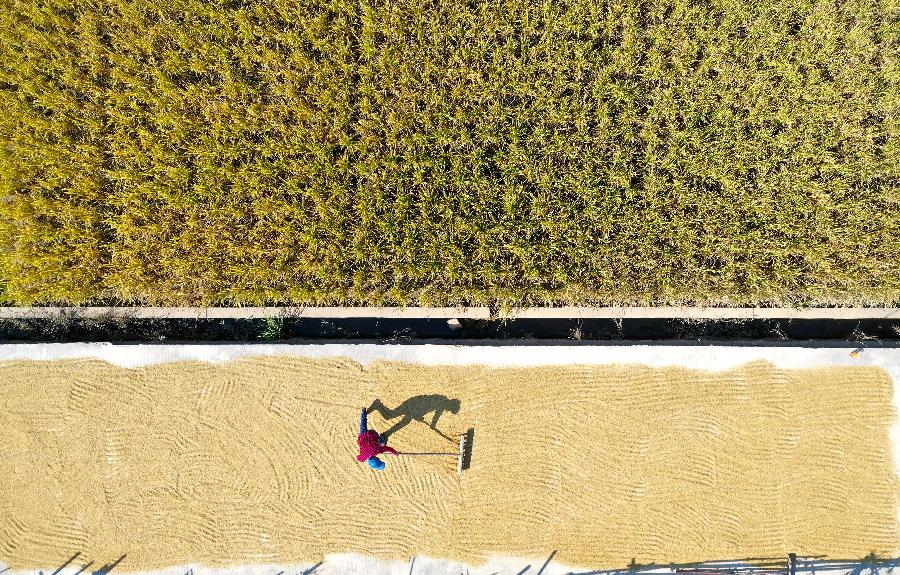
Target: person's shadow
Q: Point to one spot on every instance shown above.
(415, 409)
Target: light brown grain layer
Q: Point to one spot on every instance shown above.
(253, 461)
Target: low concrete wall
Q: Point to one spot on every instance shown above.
(450, 312)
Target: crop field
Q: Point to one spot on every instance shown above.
(500, 152)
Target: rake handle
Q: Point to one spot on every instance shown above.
(431, 453)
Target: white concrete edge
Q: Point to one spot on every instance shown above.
(244, 312)
(704, 357)
(357, 563)
(708, 313)
(699, 313)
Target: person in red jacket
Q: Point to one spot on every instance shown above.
(371, 445)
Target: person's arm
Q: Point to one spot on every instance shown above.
(390, 450)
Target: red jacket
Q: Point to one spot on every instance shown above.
(369, 446)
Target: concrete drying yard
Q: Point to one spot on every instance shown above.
(232, 457)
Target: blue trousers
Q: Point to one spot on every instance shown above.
(363, 427)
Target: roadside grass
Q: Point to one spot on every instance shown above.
(434, 153)
(273, 329)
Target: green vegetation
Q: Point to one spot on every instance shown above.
(273, 329)
(464, 151)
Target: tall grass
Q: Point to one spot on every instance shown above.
(421, 152)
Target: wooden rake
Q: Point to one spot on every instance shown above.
(464, 455)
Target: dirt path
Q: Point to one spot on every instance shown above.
(253, 461)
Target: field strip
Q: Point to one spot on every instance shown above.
(699, 356)
(699, 313)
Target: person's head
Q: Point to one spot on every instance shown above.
(454, 406)
(376, 463)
